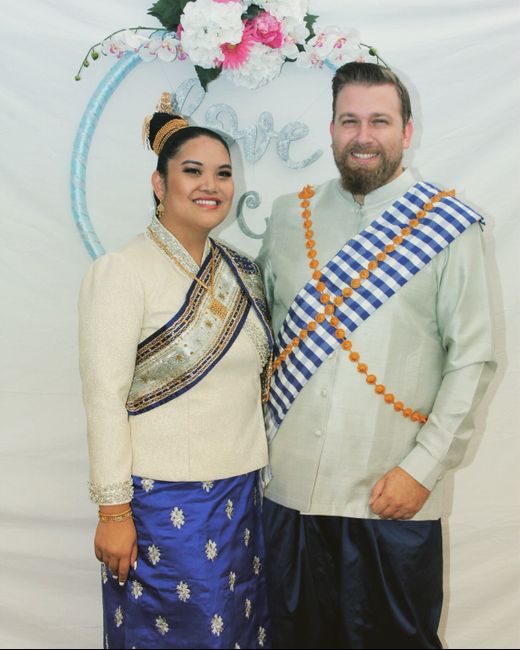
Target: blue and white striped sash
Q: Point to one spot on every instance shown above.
(448, 219)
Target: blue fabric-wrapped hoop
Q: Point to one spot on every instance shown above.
(80, 150)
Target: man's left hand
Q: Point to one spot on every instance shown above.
(397, 495)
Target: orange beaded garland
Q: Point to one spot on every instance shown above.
(330, 302)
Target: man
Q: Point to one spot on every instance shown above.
(384, 351)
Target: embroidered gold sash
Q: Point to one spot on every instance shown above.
(184, 350)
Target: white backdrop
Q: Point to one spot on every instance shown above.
(460, 61)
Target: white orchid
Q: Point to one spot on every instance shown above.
(164, 49)
(117, 45)
(330, 44)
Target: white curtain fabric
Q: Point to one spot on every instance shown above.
(460, 61)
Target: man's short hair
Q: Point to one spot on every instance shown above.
(370, 74)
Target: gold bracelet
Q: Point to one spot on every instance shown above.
(114, 514)
(106, 517)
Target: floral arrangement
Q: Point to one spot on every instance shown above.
(248, 42)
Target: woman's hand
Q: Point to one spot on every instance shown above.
(115, 545)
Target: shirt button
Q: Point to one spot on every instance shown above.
(318, 433)
(324, 392)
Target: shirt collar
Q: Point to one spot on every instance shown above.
(175, 247)
(386, 193)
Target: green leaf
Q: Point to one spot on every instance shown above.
(309, 20)
(168, 12)
(252, 12)
(206, 75)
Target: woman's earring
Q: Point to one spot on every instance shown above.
(159, 210)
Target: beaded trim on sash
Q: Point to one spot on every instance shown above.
(448, 218)
(192, 342)
(249, 274)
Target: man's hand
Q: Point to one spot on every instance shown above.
(397, 495)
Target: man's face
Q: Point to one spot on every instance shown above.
(368, 137)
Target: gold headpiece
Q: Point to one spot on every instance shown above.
(172, 126)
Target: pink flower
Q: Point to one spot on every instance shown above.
(320, 40)
(181, 54)
(267, 30)
(236, 55)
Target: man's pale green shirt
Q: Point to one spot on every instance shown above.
(430, 344)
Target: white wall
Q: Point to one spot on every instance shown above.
(460, 60)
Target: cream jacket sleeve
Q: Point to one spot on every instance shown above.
(111, 308)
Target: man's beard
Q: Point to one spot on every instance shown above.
(360, 180)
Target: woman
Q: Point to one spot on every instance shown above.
(173, 342)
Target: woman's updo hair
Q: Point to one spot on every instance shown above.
(167, 131)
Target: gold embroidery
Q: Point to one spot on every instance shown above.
(216, 306)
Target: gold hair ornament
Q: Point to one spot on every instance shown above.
(177, 123)
(171, 127)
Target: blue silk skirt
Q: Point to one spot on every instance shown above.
(199, 581)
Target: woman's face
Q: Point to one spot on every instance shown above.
(198, 193)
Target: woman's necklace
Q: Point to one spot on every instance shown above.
(216, 307)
